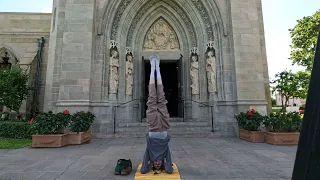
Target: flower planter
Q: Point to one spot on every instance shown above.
(49, 140)
(79, 138)
(282, 138)
(251, 136)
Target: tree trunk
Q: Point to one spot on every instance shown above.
(282, 97)
(19, 117)
(284, 106)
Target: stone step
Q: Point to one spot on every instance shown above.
(178, 129)
(172, 134)
(172, 129)
(172, 124)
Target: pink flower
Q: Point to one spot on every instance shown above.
(249, 113)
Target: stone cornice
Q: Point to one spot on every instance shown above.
(25, 33)
(242, 102)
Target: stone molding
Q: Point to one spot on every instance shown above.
(144, 9)
(242, 102)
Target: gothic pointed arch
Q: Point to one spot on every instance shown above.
(153, 7)
(136, 36)
(6, 53)
(199, 5)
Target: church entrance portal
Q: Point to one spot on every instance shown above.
(171, 77)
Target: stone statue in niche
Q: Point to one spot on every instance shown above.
(114, 74)
(129, 74)
(211, 70)
(161, 37)
(194, 74)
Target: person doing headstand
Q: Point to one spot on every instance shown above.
(157, 155)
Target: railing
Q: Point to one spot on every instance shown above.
(114, 112)
(211, 107)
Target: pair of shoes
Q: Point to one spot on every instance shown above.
(124, 167)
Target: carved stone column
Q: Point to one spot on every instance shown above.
(211, 68)
(129, 71)
(114, 68)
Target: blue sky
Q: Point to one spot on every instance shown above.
(279, 16)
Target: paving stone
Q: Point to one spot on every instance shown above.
(196, 158)
(49, 176)
(21, 175)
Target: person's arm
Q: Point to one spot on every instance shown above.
(145, 168)
(168, 164)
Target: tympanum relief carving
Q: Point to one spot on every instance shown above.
(161, 37)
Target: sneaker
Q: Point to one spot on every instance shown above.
(123, 167)
(119, 167)
(128, 168)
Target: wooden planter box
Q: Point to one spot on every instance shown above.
(49, 140)
(79, 138)
(251, 136)
(282, 138)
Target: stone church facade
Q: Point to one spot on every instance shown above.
(213, 61)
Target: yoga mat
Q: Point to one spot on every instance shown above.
(162, 176)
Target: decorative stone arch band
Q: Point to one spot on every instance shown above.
(198, 4)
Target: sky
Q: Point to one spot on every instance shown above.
(279, 16)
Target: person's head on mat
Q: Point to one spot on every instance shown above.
(157, 154)
(157, 164)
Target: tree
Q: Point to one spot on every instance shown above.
(13, 87)
(303, 79)
(304, 38)
(291, 85)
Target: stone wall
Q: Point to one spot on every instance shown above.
(18, 35)
(249, 54)
(70, 55)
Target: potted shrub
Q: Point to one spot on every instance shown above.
(49, 129)
(80, 126)
(249, 126)
(283, 128)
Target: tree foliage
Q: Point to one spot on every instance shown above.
(291, 85)
(304, 39)
(13, 87)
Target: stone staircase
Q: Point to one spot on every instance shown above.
(178, 129)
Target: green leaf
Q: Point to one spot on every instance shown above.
(304, 38)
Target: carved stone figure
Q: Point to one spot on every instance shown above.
(114, 75)
(194, 74)
(161, 37)
(211, 71)
(129, 74)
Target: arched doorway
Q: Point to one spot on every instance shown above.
(161, 38)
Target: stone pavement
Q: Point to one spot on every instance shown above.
(197, 158)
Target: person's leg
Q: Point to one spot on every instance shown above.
(162, 102)
(152, 98)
